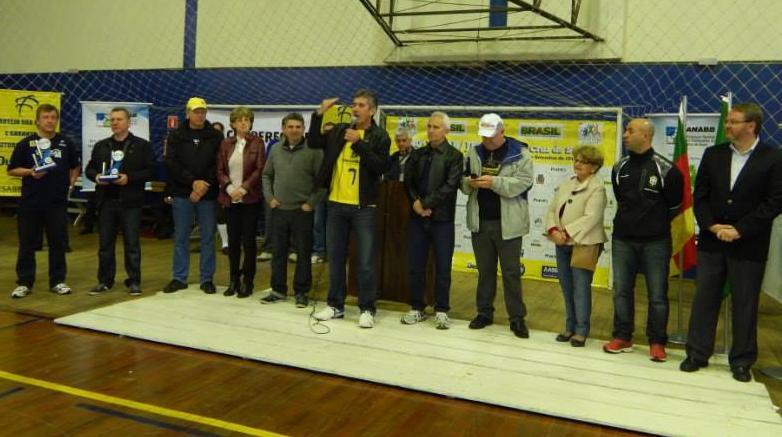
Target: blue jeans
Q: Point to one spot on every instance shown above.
(319, 229)
(184, 211)
(629, 259)
(423, 234)
(576, 287)
(342, 219)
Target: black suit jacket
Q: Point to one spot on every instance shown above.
(751, 206)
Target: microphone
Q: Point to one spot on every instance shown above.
(353, 121)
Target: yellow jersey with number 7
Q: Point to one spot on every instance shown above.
(344, 181)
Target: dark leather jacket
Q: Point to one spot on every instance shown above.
(446, 166)
(138, 164)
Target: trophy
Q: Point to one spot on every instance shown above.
(112, 173)
(42, 155)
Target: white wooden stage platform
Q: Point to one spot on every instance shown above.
(490, 365)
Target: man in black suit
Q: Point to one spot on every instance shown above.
(738, 193)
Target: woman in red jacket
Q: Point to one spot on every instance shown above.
(240, 162)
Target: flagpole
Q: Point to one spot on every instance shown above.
(680, 337)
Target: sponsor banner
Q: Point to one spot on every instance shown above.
(267, 124)
(95, 126)
(701, 133)
(551, 144)
(17, 120)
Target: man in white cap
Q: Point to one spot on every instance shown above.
(498, 177)
(191, 161)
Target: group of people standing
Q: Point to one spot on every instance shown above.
(738, 192)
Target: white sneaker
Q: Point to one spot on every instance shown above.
(293, 257)
(366, 320)
(329, 313)
(316, 259)
(21, 291)
(264, 256)
(441, 320)
(413, 316)
(62, 288)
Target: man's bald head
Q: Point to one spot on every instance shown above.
(638, 135)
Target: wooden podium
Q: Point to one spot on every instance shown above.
(391, 263)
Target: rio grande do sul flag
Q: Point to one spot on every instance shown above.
(683, 225)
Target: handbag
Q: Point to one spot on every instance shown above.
(585, 256)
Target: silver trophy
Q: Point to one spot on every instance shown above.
(112, 173)
(42, 155)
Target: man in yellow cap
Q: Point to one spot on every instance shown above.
(191, 162)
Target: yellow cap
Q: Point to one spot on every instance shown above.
(195, 103)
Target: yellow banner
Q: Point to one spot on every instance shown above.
(551, 143)
(17, 120)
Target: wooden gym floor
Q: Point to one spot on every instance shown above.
(56, 380)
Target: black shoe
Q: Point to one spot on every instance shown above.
(208, 287)
(563, 338)
(577, 343)
(480, 322)
(100, 289)
(134, 289)
(174, 286)
(225, 250)
(690, 364)
(519, 329)
(302, 301)
(741, 373)
(245, 291)
(273, 297)
(232, 289)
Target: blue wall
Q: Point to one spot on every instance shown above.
(638, 88)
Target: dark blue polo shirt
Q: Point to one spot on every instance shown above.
(53, 187)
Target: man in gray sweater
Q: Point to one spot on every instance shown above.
(289, 188)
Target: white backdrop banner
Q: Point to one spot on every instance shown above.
(95, 126)
(267, 124)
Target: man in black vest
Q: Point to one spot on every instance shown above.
(119, 196)
(738, 193)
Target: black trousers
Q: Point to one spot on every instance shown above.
(745, 278)
(31, 222)
(242, 221)
(298, 225)
(112, 217)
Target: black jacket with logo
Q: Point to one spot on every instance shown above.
(191, 154)
(138, 164)
(446, 165)
(648, 190)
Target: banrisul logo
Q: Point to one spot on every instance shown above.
(458, 128)
(541, 130)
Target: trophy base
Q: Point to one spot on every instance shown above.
(40, 168)
(109, 178)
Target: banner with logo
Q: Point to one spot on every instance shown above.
(17, 120)
(95, 126)
(551, 143)
(701, 133)
(267, 124)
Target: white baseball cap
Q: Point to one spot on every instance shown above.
(490, 125)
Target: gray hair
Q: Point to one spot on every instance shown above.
(446, 119)
(404, 132)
